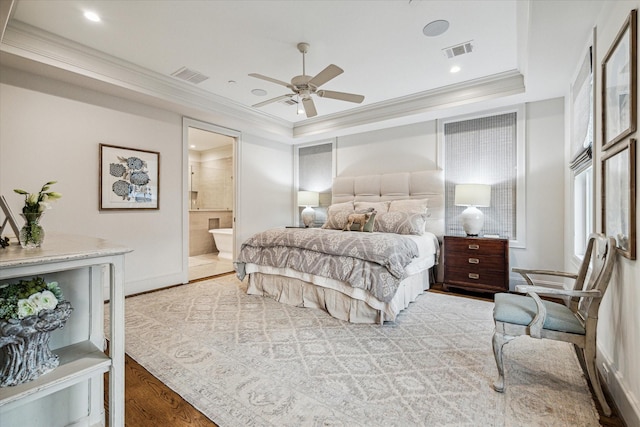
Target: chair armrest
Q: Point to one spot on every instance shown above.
(541, 290)
(535, 327)
(525, 273)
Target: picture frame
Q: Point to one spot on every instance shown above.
(9, 219)
(129, 178)
(619, 85)
(619, 197)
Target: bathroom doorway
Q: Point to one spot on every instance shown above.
(210, 195)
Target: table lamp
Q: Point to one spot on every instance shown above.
(308, 199)
(473, 196)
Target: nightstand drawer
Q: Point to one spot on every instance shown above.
(474, 246)
(486, 277)
(475, 262)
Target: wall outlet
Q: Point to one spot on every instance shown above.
(605, 373)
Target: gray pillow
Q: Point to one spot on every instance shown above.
(337, 215)
(401, 223)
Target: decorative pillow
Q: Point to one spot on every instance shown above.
(337, 215)
(409, 205)
(401, 223)
(368, 226)
(376, 206)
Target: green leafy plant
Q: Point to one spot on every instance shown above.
(36, 203)
(28, 297)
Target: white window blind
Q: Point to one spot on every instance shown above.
(483, 151)
(582, 117)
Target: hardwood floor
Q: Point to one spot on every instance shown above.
(148, 402)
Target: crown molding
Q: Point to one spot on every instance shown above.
(482, 89)
(39, 46)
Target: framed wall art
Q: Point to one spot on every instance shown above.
(619, 197)
(9, 219)
(619, 85)
(129, 178)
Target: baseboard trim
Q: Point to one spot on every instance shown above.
(626, 403)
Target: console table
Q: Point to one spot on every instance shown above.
(86, 269)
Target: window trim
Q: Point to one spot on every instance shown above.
(521, 209)
(296, 170)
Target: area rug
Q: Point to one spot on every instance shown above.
(246, 360)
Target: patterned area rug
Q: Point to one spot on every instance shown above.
(247, 360)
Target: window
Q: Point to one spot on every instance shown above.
(581, 149)
(583, 210)
(487, 150)
(314, 171)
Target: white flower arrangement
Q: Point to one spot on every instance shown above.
(28, 298)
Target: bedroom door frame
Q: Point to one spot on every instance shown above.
(187, 123)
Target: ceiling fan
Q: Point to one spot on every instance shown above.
(304, 86)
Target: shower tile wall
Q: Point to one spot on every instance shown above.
(214, 184)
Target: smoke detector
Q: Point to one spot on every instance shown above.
(459, 49)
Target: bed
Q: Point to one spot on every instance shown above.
(360, 277)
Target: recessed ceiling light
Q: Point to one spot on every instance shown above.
(92, 16)
(192, 146)
(454, 69)
(435, 28)
(259, 92)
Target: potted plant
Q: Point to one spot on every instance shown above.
(29, 311)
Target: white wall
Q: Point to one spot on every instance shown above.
(267, 181)
(415, 147)
(545, 167)
(619, 325)
(50, 130)
(405, 148)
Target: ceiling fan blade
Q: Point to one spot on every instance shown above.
(269, 101)
(309, 107)
(269, 79)
(325, 75)
(343, 96)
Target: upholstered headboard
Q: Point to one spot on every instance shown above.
(395, 186)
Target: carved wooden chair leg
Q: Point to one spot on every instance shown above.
(590, 362)
(499, 340)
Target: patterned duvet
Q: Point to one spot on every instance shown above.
(374, 262)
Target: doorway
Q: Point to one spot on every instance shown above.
(210, 196)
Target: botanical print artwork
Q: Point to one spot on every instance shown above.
(128, 178)
(133, 181)
(619, 196)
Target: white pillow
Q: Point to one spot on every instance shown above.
(376, 206)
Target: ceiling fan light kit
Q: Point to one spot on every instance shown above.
(305, 86)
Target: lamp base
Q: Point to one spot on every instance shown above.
(472, 221)
(308, 216)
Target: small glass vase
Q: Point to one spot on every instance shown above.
(31, 233)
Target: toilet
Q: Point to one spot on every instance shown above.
(223, 238)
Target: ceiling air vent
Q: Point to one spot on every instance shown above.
(192, 76)
(459, 49)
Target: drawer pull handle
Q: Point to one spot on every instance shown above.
(474, 276)
(474, 261)
(474, 247)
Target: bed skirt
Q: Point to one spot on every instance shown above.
(336, 298)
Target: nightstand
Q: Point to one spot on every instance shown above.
(479, 264)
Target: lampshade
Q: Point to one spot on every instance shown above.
(308, 198)
(473, 195)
